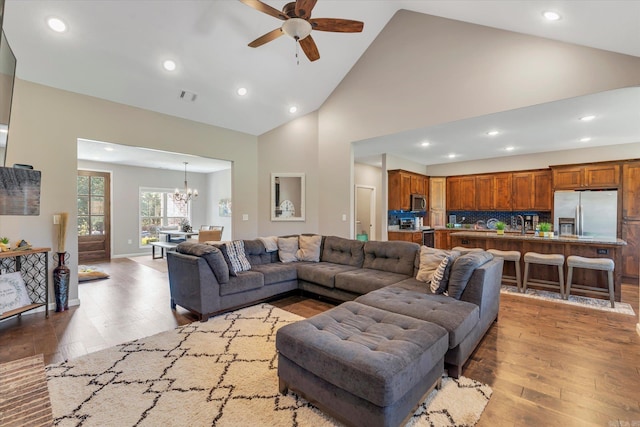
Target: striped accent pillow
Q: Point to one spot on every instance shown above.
(438, 284)
(235, 256)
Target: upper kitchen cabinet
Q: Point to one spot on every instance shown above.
(532, 190)
(402, 184)
(493, 192)
(582, 177)
(461, 193)
(631, 191)
(437, 201)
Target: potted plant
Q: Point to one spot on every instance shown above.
(500, 227)
(4, 244)
(545, 229)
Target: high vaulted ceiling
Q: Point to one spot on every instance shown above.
(114, 49)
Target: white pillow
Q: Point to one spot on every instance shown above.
(270, 243)
(287, 249)
(309, 248)
(13, 292)
(430, 259)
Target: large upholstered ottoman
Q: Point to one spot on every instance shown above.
(362, 365)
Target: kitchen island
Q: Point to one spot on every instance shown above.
(590, 248)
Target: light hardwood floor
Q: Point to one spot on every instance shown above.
(548, 364)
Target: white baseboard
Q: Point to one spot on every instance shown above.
(130, 255)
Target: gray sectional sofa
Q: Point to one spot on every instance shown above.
(377, 274)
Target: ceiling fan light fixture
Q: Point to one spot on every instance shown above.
(296, 28)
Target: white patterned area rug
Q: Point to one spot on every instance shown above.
(575, 300)
(219, 373)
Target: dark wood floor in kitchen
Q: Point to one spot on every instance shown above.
(548, 364)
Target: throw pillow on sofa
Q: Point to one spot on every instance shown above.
(288, 248)
(235, 256)
(210, 253)
(463, 268)
(430, 259)
(309, 248)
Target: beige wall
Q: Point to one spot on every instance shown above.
(424, 70)
(291, 148)
(371, 176)
(45, 126)
(539, 160)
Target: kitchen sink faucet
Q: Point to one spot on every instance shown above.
(522, 231)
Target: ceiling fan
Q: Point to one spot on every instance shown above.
(298, 24)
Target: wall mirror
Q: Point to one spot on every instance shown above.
(287, 197)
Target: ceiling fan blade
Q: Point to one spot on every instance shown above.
(271, 35)
(309, 48)
(265, 8)
(337, 25)
(304, 8)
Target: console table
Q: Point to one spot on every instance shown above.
(33, 264)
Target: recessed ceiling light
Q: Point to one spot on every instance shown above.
(57, 24)
(510, 148)
(550, 15)
(425, 144)
(108, 149)
(293, 109)
(242, 91)
(169, 65)
(587, 118)
(586, 139)
(493, 133)
(451, 156)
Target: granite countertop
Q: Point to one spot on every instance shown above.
(518, 236)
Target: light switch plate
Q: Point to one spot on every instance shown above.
(344, 217)
(245, 217)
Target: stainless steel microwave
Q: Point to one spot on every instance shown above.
(418, 202)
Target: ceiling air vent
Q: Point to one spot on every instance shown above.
(187, 96)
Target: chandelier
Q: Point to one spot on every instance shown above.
(188, 194)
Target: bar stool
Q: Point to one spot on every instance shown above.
(510, 256)
(603, 264)
(544, 259)
(464, 250)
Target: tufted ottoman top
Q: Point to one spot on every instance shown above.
(371, 353)
(457, 317)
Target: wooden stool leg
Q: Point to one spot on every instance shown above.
(518, 277)
(611, 294)
(561, 280)
(526, 276)
(569, 279)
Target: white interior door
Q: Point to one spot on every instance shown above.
(366, 211)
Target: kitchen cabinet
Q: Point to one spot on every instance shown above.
(631, 219)
(405, 236)
(531, 190)
(437, 201)
(631, 252)
(582, 177)
(493, 192)
(631, 191)
(443, 238)
(461, 193)
(401, 185)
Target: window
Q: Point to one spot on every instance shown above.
(157, 209)
(91, 204)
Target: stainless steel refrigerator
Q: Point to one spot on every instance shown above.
(594, 213)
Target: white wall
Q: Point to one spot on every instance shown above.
(371, 176)
(539, 160)
(46, 124)
(219, 187)
(125, 185)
